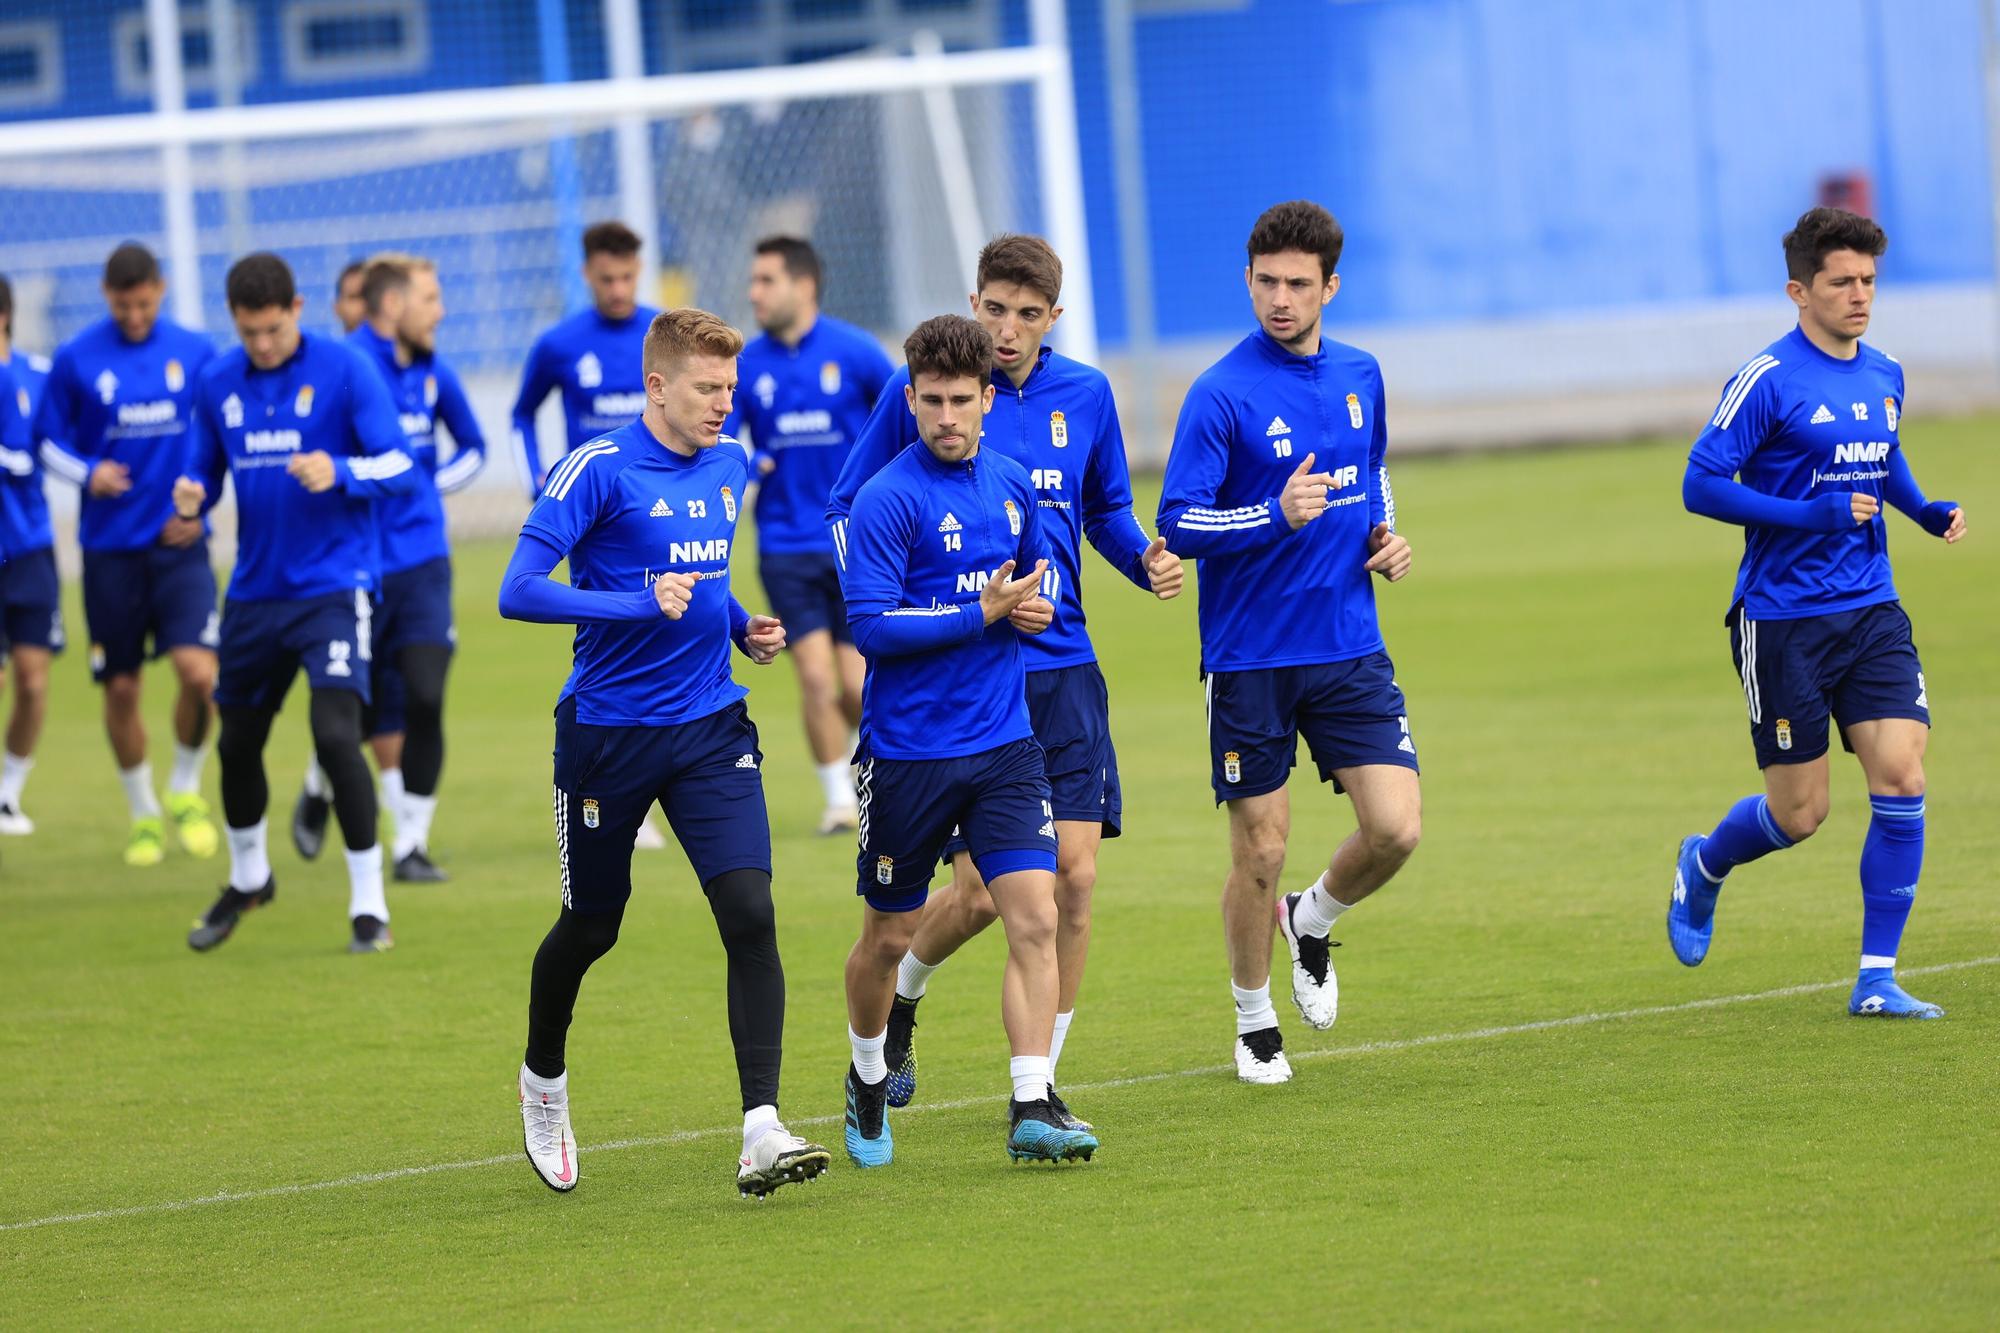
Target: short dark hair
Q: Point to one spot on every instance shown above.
(388, 272)
(354, 266)
(610, 237)
(7, 304)
(130, 265)
(801, 260)
(1302, 225)
(1025, 261)
(1821, 231)
(950, 347)
(259, 281)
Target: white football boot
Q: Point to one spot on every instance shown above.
(1315, 989)
(776, 1158)
(1260, 1057)
(14, 822)
(546, 1135)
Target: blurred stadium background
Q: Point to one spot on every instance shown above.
(1562, 216)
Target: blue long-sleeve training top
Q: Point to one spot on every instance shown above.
(625, 509)
(426, 394)
(109, 398)
(921, 541)
(802, 408)
(597, 363)
(1806, 431)
(1270, 595)
(1062, 426)
(24, 505)
(292, 544)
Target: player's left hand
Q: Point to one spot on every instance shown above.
(1163, 570)
(764, 639)
(766, 465)
(1391, 558)
(1957, 528)
(1033, 616)
(314, 471)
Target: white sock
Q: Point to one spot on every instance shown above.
(556, 1088)
(1253, 1008)
(1056, 1040)
(914, 976)
(868, 1055)
(138, 781)
(836, 782)
(394, 802)
(1869, 960)
(186, 779)
(316, 783)
(364, 884)
(1317, 909)
(14, 776)
(1031, 1077)
(757, 1122)
(414, 829)
(250, 857)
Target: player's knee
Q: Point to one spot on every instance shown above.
(197, 673)
(1800, 818)
(1262, 858)
(589, 935)
(31, 684)
(1075, 879)
(744, 914)
(336, 723)
(121, 694)
(1394, 840)
(424, 668)
(240, 739)
(1905, 779)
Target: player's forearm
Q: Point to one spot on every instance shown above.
(1198, 531)
(528, 593)
(739, 625)
(1900, 489)
(373, 476)
(1729, 501)
(64, 462)
(528, 448)
(1121, 541)
(913, 631)
(466, 464)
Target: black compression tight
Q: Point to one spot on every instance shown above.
(423, 667)
(571, 946)
(336, 733)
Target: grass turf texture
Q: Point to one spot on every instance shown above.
(1766, 1163)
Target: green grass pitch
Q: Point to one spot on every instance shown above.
(1526, 1115)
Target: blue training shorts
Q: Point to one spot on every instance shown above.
(31, 602)
(265, 643)
(1351, 713)
(161, 594)
(705, 774)
(1855, 666)
(1070, 711)
(803, 588)
(910, 808)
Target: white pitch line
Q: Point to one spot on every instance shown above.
(690, 1135)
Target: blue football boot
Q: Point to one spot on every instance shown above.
(899, 1051)
(1876, 995)
(869, 1142)
(1038, 1135)
(1691, 911)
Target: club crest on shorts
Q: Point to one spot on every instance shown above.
(1889, 412)
(1013, 518)
(829, 378)
(1784, 733)
(1232, 766)
(590, 812)
(176, 377)
(885, 870)
(1354, 410)
(303, 404)
(729, 503)
(1058, 430)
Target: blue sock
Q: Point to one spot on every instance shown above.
(1745, 833)
(1892, 858)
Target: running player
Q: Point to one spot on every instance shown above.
(305, 428)
(645, 516)
(809, 382)
(113, 420)
(1273, 533)
(946, 743)
(31, 628)
(414, 635)
(592, 356)
(1055, 417)
(1809, 425)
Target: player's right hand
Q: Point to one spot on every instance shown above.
(674, 592)
(188, 497)
(1003, 592)
(110, 479)
(1304, 497)
(1865, 507)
